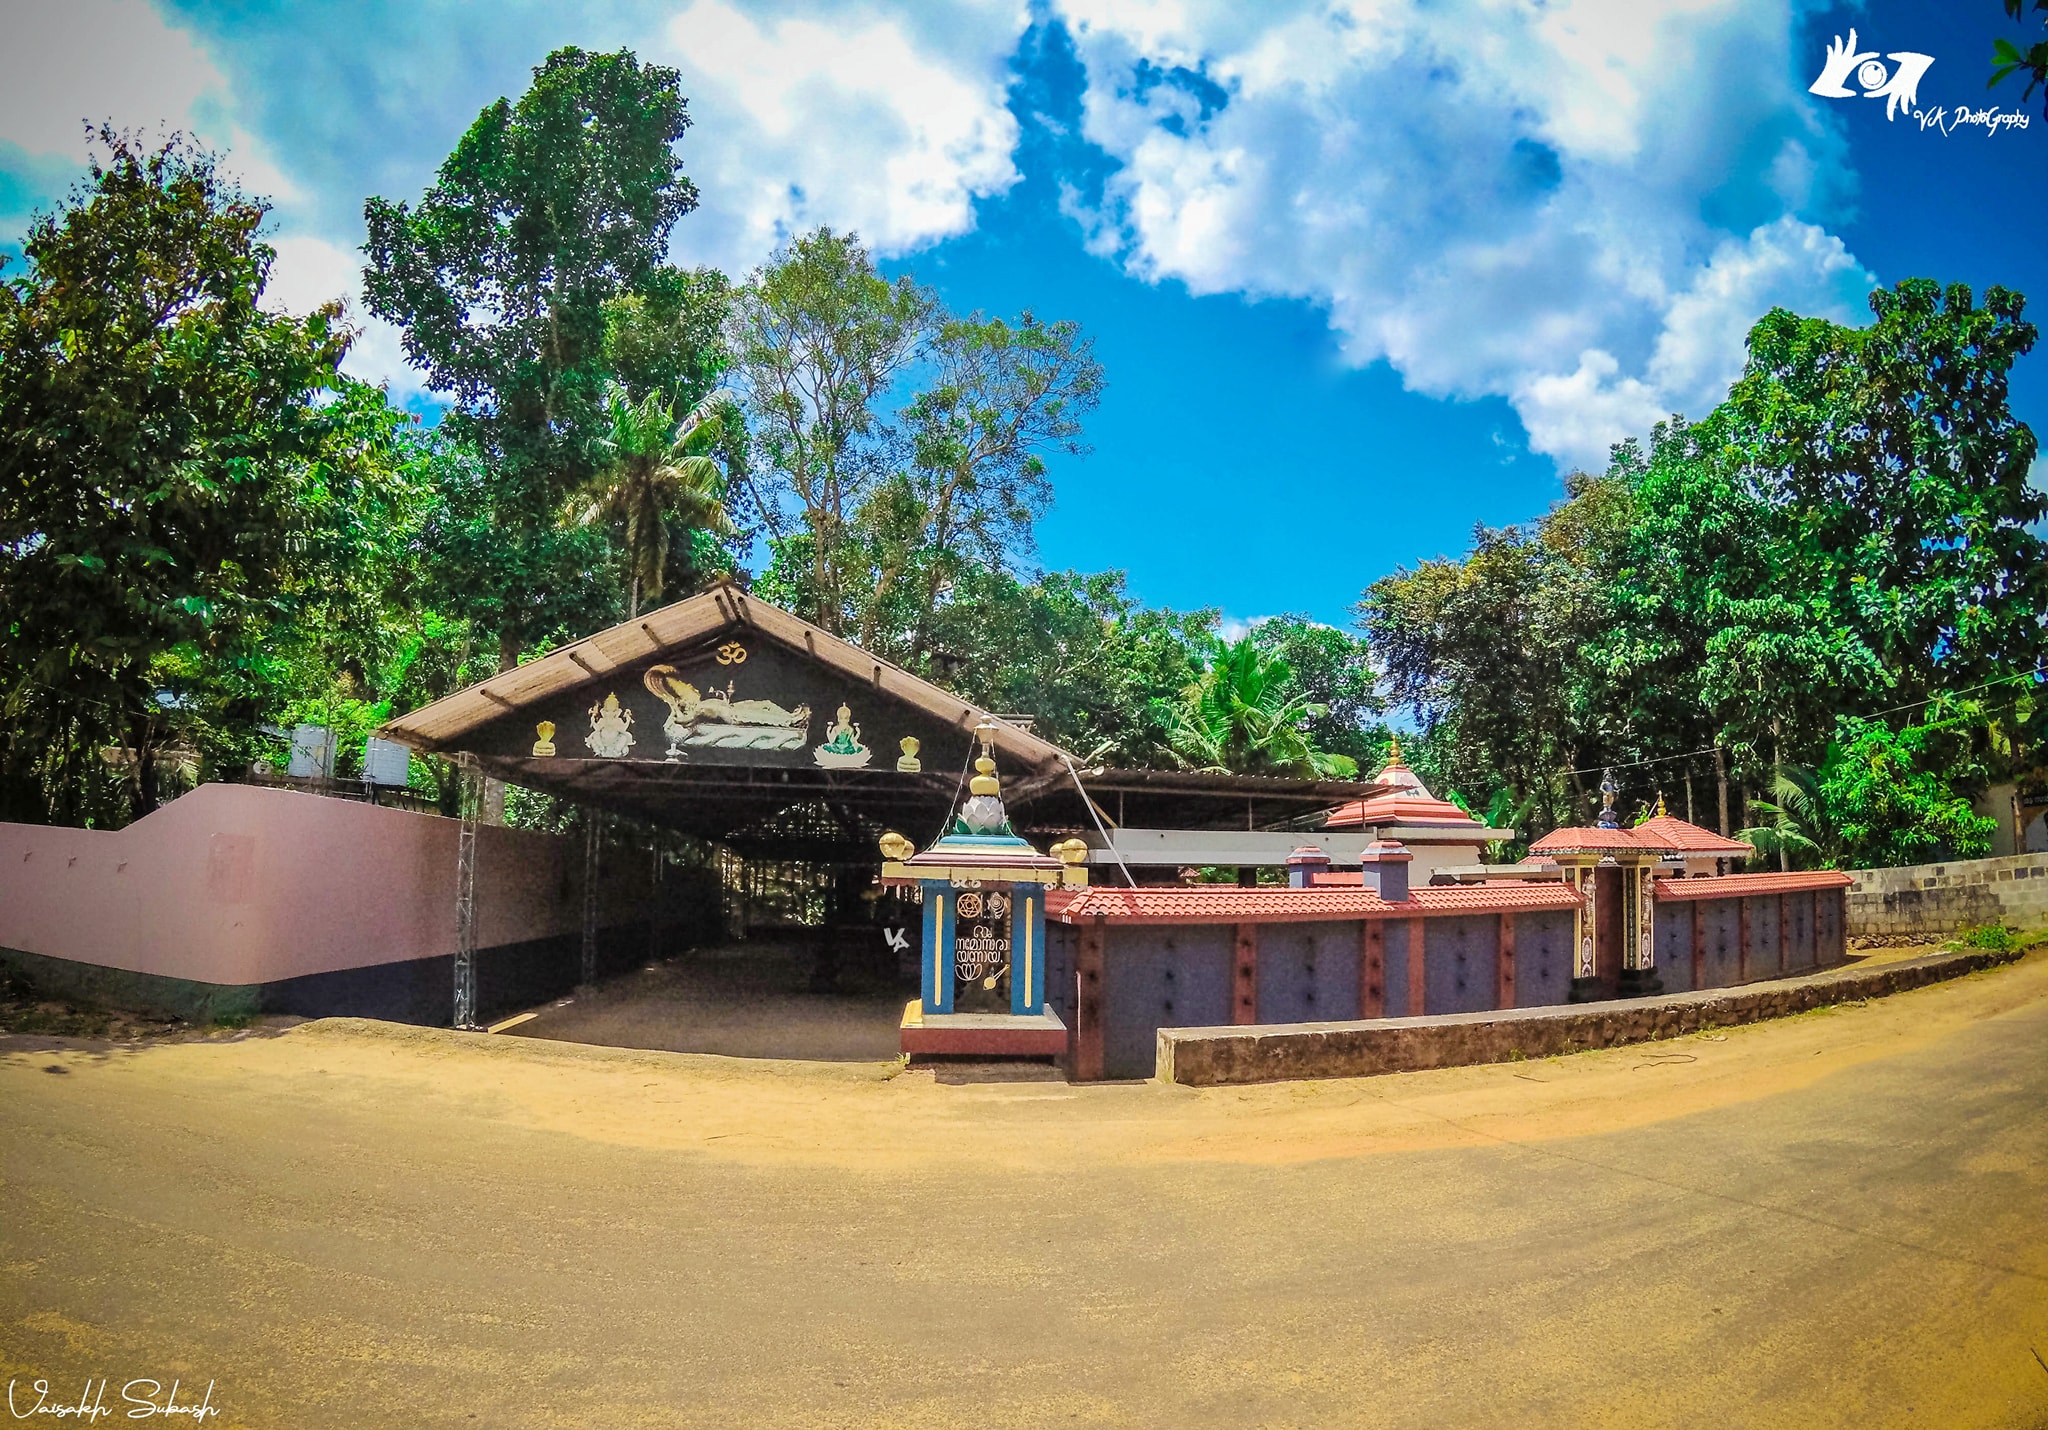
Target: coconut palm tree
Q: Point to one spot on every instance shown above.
(1242, 715)
(658, 474)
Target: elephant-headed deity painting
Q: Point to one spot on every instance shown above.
(720, 719)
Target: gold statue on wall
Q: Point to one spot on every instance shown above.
(544, 746)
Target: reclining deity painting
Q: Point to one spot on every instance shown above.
(720, 719)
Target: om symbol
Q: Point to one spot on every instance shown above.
(732, 653)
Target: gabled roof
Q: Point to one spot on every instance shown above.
(443, 724)
(1662, 834)
(1682, 838)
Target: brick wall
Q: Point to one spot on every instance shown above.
(1935, 900)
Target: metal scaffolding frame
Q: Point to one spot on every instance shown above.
(593, 840)
(469, 799)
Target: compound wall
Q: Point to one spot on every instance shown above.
(235, 899)
(1937, 900)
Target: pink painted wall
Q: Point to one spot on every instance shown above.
(238, 884)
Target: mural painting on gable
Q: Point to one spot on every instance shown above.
(721, 718)
(842, 749)
(611, 729)
(730, 703)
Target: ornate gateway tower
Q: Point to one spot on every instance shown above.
(983, 888)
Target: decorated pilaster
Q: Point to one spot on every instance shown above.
(982, 985)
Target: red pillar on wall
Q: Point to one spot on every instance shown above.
(1372, 970)
(1504, 988)
(1699, 943)
(1742, 947)
(1416, 982)
(1088, 1005)
(1244, 1001)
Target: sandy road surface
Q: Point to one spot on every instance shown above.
(1840, 1219)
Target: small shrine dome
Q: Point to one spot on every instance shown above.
(1407, 803)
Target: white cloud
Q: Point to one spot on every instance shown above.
(852, 119)
(87, 61)
(310, 271)
(1495, 198)
(886, 120)
(90, 60)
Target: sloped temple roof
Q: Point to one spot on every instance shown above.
(719, 712)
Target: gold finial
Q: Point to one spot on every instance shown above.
(1394, 757)
(1660, 804)
(984, 781)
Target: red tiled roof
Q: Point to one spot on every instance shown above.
(1398, 809)
(1579, 838)
(1732, 886)
(1682, 838)
(1230, 904)
(1661, 834)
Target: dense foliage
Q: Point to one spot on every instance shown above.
(1845, 541)
(1813, 617)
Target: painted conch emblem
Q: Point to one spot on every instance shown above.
(842, 749)
(611, 733)
(544, 745)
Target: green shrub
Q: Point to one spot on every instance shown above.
(1995, 937)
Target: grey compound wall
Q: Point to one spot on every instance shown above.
(1936, 900)
(1180, 976)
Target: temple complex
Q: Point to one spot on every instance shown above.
(1046, 910)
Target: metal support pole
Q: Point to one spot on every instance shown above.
(468, 799)
(654, 910)
(592, 837)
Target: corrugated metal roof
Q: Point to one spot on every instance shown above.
(443, 724)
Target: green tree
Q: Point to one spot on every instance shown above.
(657, 477)
(1333, 671)
(510, 277)
(1494, 655)
(999, 397)
(1898, 477)
(668, 335)
(161, 435)
(817, 337)
(2008, 58)
(1880, 796)
(1244, 713)
(1075, 652)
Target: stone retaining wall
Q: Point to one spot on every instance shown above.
(1199, 1057)
(1935, 900)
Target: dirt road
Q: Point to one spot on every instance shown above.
(1840, 1219)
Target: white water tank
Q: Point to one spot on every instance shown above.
(312, 753)
(386, 762)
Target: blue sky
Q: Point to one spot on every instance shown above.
(1362, 274)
